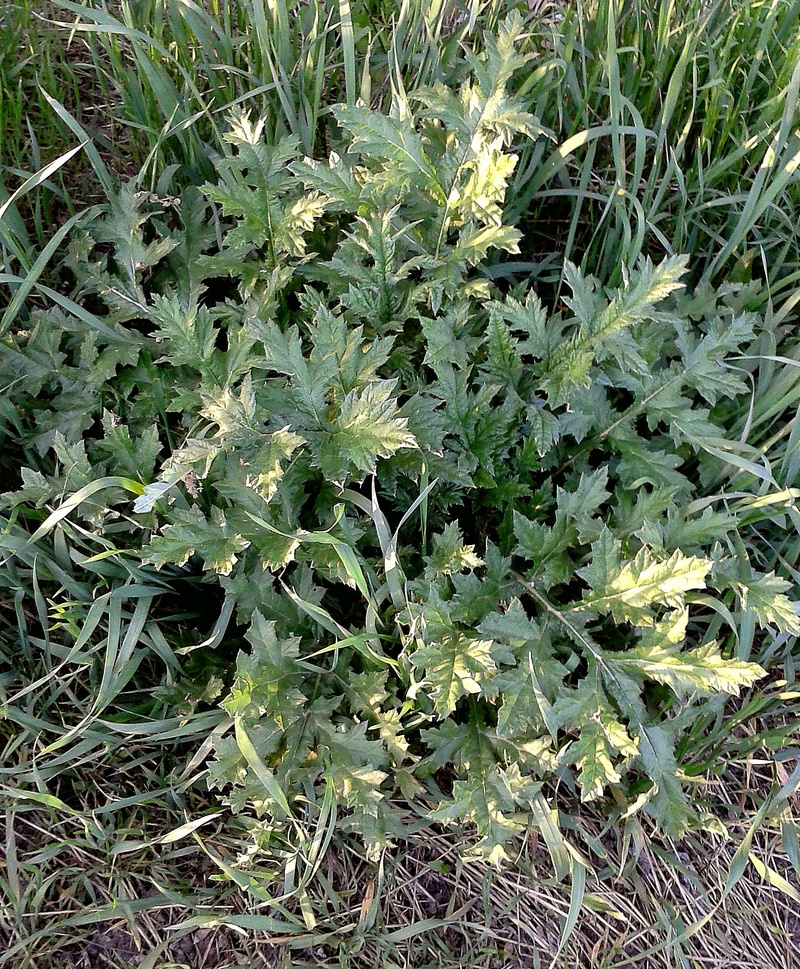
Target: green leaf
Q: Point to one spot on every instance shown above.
(450, 554)
(486, 800)
(335, 180)
(474, 248)
(629, 591)
(603, 737)
(189, 331)
(261, 771)
(525, 709)
(704, 358)
(283, 353)
(36, 490)
(75, 466)
(766, 597)
(642, 464)
(669, 802)
(582, 504)
(265, 470)
(124, 231)
(599, 325)
(702, 670)
(454, 666)
(546, 547)
(528, 688)
(366, 428)
(134, 458)
(267, 678)
(191, 532)
(528, 319)
(391, 139)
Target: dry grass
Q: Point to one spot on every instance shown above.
(500, 921)
(650, 902)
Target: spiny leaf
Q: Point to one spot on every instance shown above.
(336, 181)
(450, 554)
(766, 596)
(366, 428)
(597, 326)
(189, 330)
(192, 532)
(629, 591)
(603, 738)
(454, 666)
(265, 673)
(475, 247)
(265, 469)
(488, 800)
(703, 669)
(377, 136)
(359, 787)
(483, 193)
(135, 458)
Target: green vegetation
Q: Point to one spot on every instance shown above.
(676, 127)
(399, 427)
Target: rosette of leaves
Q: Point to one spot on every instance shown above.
(470, 543)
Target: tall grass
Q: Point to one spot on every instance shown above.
(29, 137)
(53, 133)
(676, 132)
(178, 68)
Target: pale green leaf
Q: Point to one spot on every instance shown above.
(366, 428)
(702, 670)
(450, 554)
(766, 596)
(191, 532)
(377, 136)
(454, 666)
(265, 469)
(631, 590)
